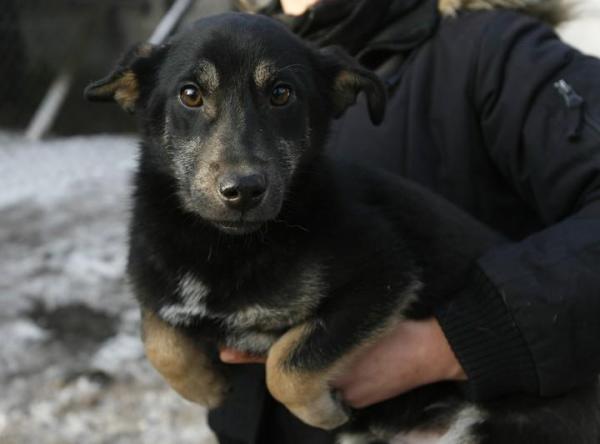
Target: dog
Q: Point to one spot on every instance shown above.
(245, 233)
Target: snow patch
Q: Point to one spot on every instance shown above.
(64, 207)
(118, 353)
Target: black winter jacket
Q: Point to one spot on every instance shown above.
(500, 117)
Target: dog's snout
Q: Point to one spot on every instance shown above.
(242, 191)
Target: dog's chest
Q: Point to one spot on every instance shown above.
(253, 316)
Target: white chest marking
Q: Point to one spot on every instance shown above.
(192, 294)
(296, 299)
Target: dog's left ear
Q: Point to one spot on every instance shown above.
(348, 78)
(123, 85)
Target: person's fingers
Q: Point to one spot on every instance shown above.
(231, 356)
(376, 383)
(359, 396)
(408, 357)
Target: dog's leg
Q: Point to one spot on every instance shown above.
(305, 360)
(182, 362)
(305, 393)
(301, 365)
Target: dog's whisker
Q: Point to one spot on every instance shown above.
(290, 225)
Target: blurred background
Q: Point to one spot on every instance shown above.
(72, 368)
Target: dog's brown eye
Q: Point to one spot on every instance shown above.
(280, 95)
(190, 96)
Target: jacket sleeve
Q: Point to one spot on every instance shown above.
(529, 319)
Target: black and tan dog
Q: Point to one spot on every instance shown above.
(245, 233)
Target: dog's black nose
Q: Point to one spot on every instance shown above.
(242, 191)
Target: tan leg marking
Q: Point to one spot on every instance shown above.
(308, 394)
(305, 394)
(182, 363)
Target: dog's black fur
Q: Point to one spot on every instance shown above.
(309, 258)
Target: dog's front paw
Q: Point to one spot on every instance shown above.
(323, 412)
(308, 397)
(183, 363)
(305, 393)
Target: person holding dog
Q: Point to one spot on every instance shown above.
(492, 111)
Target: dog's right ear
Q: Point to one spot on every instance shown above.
(123, 85)
(347, 79)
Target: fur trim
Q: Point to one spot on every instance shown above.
(249, 5)
(551, 11)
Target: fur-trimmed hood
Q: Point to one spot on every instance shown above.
(551, 11)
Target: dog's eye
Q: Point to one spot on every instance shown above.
(281, 95)
(190, 96)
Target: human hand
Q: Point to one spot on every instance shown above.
(232, 356)
(413, 354)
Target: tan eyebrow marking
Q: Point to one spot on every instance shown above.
(208, 75)
(263, 73)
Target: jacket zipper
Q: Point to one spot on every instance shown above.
(575, 101)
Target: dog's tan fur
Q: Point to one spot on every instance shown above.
(124, 89)
(127, 91)
(308, 395)
(551, 11)
(181, 362)
(305, 394)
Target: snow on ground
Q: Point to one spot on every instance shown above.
(72, 368)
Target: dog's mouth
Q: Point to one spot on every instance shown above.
(238, 226)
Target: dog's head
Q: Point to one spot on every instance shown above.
(232, 108)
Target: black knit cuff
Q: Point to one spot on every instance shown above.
(487, 341)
